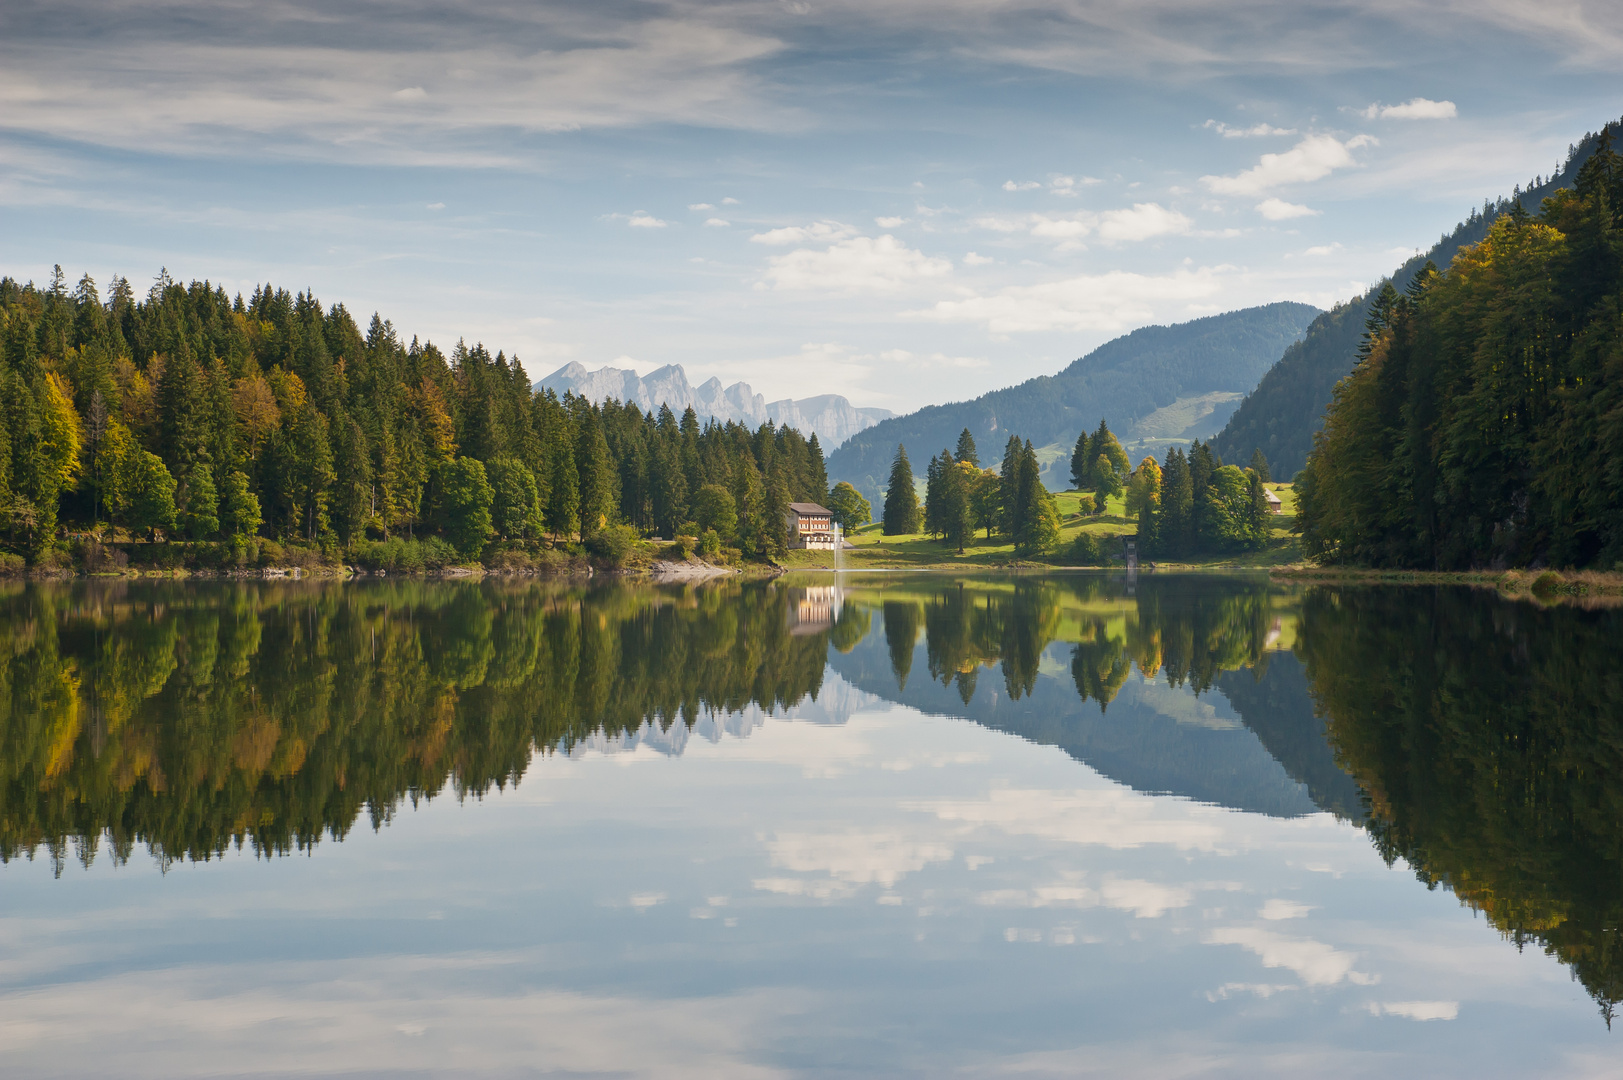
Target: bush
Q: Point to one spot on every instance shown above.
(613, 545)
(400, 556)
(11, 565)
(710, 544)
(1086, 504)
(1086, 550)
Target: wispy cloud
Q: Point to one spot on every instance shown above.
(1103, 302)
(818, 232)
(1252, 132)
(858, 264)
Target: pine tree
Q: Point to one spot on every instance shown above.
(955, 518)
(1259, 465)
(901, 500)
(1008, 488)
(1173, 527)
(1037, 528)
(966, 449)
(598, 496)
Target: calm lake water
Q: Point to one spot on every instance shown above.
(906, 826)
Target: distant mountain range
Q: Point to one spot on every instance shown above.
(1155, 387)
(830, 416)
(1285, 410)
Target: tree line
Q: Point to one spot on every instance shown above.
(960, 497)
(1483, 421)
(1194, 504)
(190, 413)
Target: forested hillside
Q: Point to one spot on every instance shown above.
(1124, 382)
(1287, 407)
(190, 413)
(1483, 425)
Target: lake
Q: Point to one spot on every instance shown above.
(881, 825)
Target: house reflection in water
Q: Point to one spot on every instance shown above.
(814, 609)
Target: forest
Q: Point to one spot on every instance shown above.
(1281, 415)
(1483, 423)
(269, 422)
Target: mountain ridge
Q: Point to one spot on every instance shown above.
(830, 416)
(1183, 379)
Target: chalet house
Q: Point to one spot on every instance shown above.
(1274, 505)
(811, 526)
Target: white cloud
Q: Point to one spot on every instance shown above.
(1107, 302)
(716, 223)
(861, 263)
(411, 93)
(1323, 249)
(973, 259)
(1112, 818)
(1275, 209)
(1277, 908)
(1417, 1010)
(436, 206)
(890, 222)
(640, 220)
(1314, 962)
(1143, 222)
(820, 232)
(1252, 132)
(1314, 158)
(855, 857)
(700, 206)
(729, 201)
(1145, 899)
(1415, 109)
(1021, 185)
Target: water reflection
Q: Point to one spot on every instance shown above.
(1488, 737)
(1480, 741)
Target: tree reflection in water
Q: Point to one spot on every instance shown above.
(1486, 735)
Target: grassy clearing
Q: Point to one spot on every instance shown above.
(917, 551)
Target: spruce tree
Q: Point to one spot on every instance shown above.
(955, 518)
(1259, 465)
(932, 492)
(1037, 527)
(1082, 459)
(901, 501)
(966, 449)
(1008, 488)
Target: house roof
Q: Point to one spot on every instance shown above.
(1271, 496)
(811, 510)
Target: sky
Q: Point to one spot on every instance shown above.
(901, 201)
